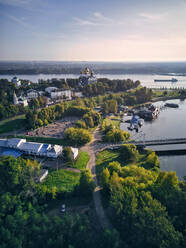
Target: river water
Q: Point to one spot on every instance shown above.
(145, 79)
(171, 123)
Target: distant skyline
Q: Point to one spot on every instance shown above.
(99, 30)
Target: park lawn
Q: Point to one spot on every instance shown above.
(63, 180)
(106, 156)
(81, 161)
(12, 124)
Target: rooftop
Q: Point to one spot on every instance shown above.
(31, 146)
(15, 142)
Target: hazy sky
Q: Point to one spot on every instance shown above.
(97, 30)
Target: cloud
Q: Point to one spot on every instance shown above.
(85, 22)
(99, 16)
(153, 17)
(20, 21)
(17, 3)
(29, 5)
(97, 19)
(49, 36)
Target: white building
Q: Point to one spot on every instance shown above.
(50, 89)
(41, 93)
(20, 100)
(15, 143)
(15, 99)
(78, 94)
(55, 151)
(75, 152)
(23, 101)
(33, 148)
(66, 94)
(31, 94)
(3, 142)
(16, 81)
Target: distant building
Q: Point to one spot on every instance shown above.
(20, 100)
(77, 94)
(15, 99)
(87, 77)
(16, 81)
(50, 89)
(41, 93)
(31, 94)
(65, 94)
(23, 101)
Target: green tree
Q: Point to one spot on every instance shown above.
(77, 136)
(67, 154)
(129, 152)
(86, 183)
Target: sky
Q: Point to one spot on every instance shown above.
(96, 30)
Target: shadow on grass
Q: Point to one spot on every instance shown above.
(12, 125)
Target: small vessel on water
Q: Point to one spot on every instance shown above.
(171, 105)
(173, 80)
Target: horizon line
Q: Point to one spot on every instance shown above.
(95, 61)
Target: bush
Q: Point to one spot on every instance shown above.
(80, 124)
(114, 166)
(129, 152)
(152, 160)
(116, 135)
(67, 154)
(77, 136)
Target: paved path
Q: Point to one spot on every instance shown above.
(92, 148)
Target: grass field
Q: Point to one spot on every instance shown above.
(63, 180)
(81, 162)
(12, 124)
(106, 156)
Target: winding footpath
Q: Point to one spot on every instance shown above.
(92, 148)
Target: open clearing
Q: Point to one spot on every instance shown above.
(56, 129)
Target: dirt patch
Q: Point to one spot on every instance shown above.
(73, 169)
(56, 129)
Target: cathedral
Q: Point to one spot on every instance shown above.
(87, 77)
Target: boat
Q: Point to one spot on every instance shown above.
(173, 80)
(171, 105)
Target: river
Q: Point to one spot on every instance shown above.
(145, 79)
(171, 123)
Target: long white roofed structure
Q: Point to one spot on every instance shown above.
(31, 148)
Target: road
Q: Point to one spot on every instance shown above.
(91, 148)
